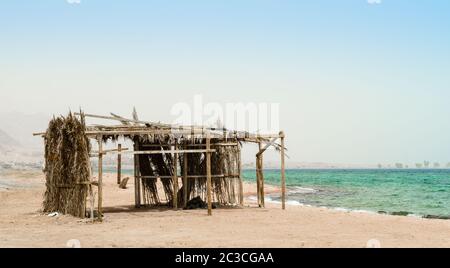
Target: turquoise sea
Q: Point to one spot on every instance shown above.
(401, 192)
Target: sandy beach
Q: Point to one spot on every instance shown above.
(23, 225)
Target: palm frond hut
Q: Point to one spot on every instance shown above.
(209, 161)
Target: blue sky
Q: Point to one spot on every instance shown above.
(357, 82)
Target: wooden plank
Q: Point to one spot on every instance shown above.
(208, 174)
(283, 173)
(100, 178)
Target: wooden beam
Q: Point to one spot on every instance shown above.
(119, 163)
(241, 184)
(219, 144)
(137, 132)
(122, 120)
(230, 144)
(261, 176)
(283, 173)
(135, 120)
(191, 176)
(165, 152)
(122, 150)
(91, 192)
(175, 179)
(185, 180)
(208, 174)
(258, 178)
(137, 186)
(270, 143)
(252, 138)
(100, 178)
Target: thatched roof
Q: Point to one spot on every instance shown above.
(168, 133)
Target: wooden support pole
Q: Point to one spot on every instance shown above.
(91, 193)
(185, 180)
(241, 184)
(175, 180)
(208, 173)
(100, 178)
(283, 172)
(137, 173)
(261, 176)
(119, 164)
(258, 178)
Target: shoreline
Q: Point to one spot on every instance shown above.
(249, 195)
(271, 189)
(23, 225)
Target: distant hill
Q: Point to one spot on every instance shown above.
(22, 126)
(306, 165)
(6, 141)
(14, 154)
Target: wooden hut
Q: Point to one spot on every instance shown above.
(189, 161)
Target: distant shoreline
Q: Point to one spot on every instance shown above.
(125, 226)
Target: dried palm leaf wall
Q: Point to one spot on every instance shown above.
(155, 165)
(224, 168)
(225, 162)
(67, 166)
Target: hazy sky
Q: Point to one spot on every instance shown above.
(357, 82)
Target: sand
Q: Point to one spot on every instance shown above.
(22, 224)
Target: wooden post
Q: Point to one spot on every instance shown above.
(258, 178)
(208, 173)
(119, 164)
(100, 177)
(137, 172)
(283, 173)
(185, 180)
(241, 184)
(261, 177)
(175, 179)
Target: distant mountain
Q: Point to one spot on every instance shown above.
(22, 126)
(306, 165)
(6, 141)
(18, 147)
